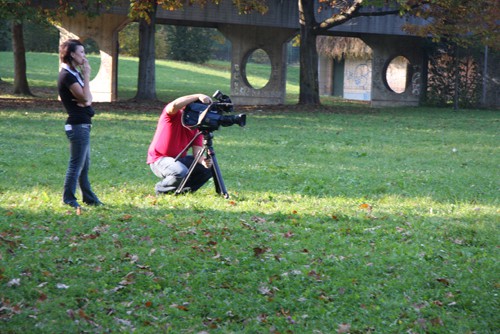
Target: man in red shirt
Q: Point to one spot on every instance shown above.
(170, 138)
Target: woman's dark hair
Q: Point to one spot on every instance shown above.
(66, 48)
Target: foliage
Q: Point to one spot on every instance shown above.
(358, 221)
(189, 44)
(336, 47)
(5, 35)
(129, 41)
(90, 8)
(314, 22)
(16, 9)
(451, 20)
(41, 37)
(470, 22)
(450, 70)
(141, 9)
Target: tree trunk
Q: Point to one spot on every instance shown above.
(146, 85)
(456, 93)
(309, 86)
(21, 86)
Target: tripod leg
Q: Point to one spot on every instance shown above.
(220, 188)
(190, 171)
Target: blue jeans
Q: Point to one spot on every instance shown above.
(78, 166)
(173, 172)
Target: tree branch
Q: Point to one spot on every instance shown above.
(356, 11)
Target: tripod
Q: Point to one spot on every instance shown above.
(220, 188)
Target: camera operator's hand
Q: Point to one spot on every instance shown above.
(180, 102)
(207, 162)
(205, 99)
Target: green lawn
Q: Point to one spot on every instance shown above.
(173, 78)
(353, 221)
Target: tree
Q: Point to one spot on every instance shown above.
(460, 22)
(145, 12)
(129, 41)
(21, 86)
(17, 11)
(342, 11)
(189, 44)
(146, 84)
(461, 25)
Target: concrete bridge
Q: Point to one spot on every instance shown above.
(270, 32)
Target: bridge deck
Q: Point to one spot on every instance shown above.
(281, 14)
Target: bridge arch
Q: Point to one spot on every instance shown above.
(104, 31)
(385, 49)
(244, 41)
(270, 32)
(250, 58)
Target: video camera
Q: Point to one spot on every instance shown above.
(208, 117)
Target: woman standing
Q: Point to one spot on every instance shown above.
(74, 91)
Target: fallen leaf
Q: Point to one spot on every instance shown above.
(71, 314)
(419, 306)
(125, 218)
(123, 322)
(315, 275)
(262, 318)
(437, 322)
(257, 251)
(422, 323)
(258, 219)
(264, 290)
(247, 226)
(42, 297)
(444, 281)
(344, 328)
(128, 279)
(180, 307)
(83, 315)
(14, 282)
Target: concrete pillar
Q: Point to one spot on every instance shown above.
(385, 49)
(103, 29)
(325, 75)
(245, 40)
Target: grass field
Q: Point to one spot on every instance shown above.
(173, 78)
(354, 220)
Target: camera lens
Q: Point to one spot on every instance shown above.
(240, 119)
